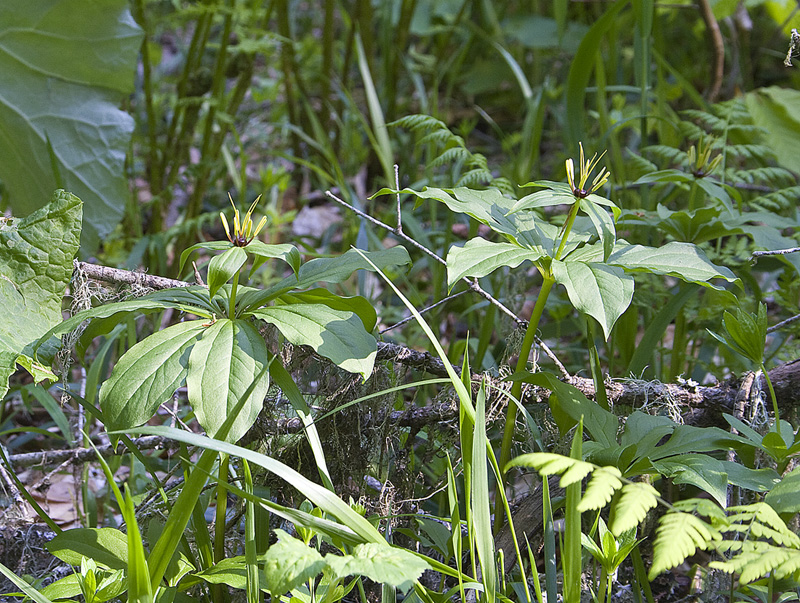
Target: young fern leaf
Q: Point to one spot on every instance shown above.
(679, 535)
(635, 500)
(604, 483)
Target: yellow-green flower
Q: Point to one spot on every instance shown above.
(243, 231)
(700, 158)
(584, 171)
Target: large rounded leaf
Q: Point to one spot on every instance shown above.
(603, 292)
(147, 375)
(34, 274)
(222, 366)
(337, 335)
(66, 66)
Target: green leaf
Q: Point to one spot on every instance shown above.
(635, 500)
(775, 110)
(601, 291)
(222, 267)
(569, 404)
(284, 251)
(381, 563)
(603, 224)
(328, 270)
(679, 535)
(705, 472)
(757, 480)
(289, 562)
(107, 546)
(66, 588)
(335, 334)
(785, 496)
(479, 499)
(361, 306)
(67, 66)
(681, 260)
(147, 375)
(139, 589)
(601, 488)
(21, 584)
(34, 273)
(747, 334)
(479, 257)
(222, 365)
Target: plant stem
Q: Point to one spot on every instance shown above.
(772, 395)
(232, 302)
(516, 391)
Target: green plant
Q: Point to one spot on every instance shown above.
(593, 266)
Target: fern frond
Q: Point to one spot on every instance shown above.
(451, 155)
(667, 154)
(711, 122)
(637, 166)
(764, 522)
(635, 500)
(476, 177)
(442, 137)
(753, 152)
(679, 535)
(419, 122)
(704, 507)
(605, 481)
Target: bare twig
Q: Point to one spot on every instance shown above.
(427, 309)
(399, 234)
(718, 48)
(126, 277)
(783, 323)
(757, 254)
(83, 455)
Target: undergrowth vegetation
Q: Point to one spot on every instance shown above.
(504, 308)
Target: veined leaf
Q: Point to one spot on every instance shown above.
(601, 291)
(67, 66)
(289, 562)
(703, 471)
(34, 273)
(107, 546)
(681, 260)
(335, 334)
(479, 257)
(222, 365)
(381, 563)
(223, 266)
(147, 375)
(360, 305)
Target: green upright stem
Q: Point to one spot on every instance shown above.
(234, 287)
(772, 395)
(516, 392)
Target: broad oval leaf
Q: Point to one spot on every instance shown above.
(355, 303)
(222, 267)
(290, 562)
(66, 67)
(34, 273)
(479, 257)
(222, 366)
(337, 335)
(601, 291)
(703, 471)
(381, 563)
(681, 260)
(147, 375)
(284, 251)
(107, 546)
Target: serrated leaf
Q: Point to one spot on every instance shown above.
(34, 273)
(635, 500)
(335, 334)
(479, 257)
(679, 535)
(381, 563)
(601, 488)
(222, 366)
(107, 546)
(147, 375)
(67, 66)
(289, 562)
(603, 292)
(681, 260)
